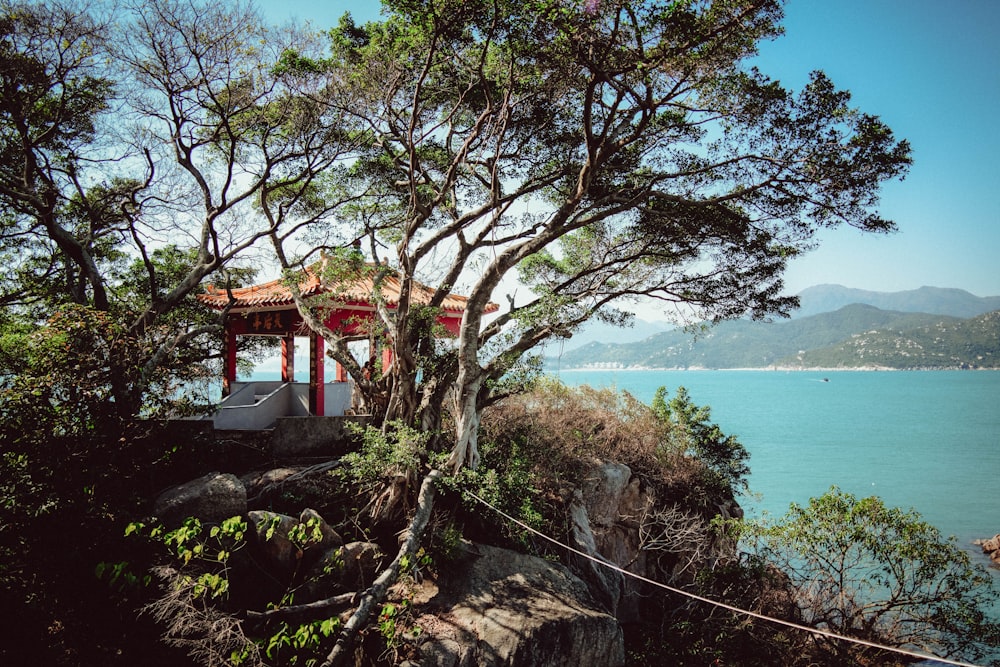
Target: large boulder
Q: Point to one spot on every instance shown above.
(287, 546)
(616, 518)
(362, 563)
(604, 524)
(258, 482)
(605, 584)
(271, 546)
(351, 567)
(211, 498)
(499, 607)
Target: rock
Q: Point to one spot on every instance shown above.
(287, 545)
(256, 482)
(499, 607)
(323, 579)
(991, 547)
(270, 543)
(362, 563)
(211, 498)
(612, 503)
(606, 585)
(342, 569)
(602, 492)
(323, 537)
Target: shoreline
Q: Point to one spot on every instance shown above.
(776, 369)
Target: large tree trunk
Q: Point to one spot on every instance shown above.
(466, 450)
(403, 400)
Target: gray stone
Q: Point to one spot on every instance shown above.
(328, 538)
(284, 556)
(211, 498)
(256, 482)
(270, 543)
(499, 607)
(606, 585)
(323, 579)
(617, 500)
(351, 567)
(362, 563)
(602, 491)
(991, 547)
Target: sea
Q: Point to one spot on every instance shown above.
(922, 440)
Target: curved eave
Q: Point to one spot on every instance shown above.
(275, 296)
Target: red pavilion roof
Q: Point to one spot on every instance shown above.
(276, 294)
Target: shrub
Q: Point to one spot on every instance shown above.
(879, 573)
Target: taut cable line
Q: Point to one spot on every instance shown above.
(723, 605)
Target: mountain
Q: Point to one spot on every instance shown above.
(933, 300)
(855, 335)
(969, 343)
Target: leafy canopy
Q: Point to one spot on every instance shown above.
(880, 573)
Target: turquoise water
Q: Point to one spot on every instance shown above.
(927, 440)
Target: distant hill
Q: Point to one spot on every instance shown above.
(947, 343)
(933, 300)
(823, 340)
(596, 332)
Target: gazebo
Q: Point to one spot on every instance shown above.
(268, 309)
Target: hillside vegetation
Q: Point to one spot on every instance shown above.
(647, 488)
(855, 336)
(971, 343)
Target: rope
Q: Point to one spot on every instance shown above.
(737, 610)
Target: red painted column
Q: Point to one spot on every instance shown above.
(288, 358)
(341, 372)
(228, 359)
(316, 374)
(386, 359)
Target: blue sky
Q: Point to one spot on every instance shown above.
(931, 70)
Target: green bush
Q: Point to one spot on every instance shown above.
(863, 569)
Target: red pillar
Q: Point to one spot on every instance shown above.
(386, 359)
(228, 359)
(341, 372)
(316, 374)
(288, 358)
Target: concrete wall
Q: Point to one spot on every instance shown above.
(295, 437)
(336, 399)
(258, 405)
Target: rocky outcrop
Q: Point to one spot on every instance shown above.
(991, 548)
(492, 606)
(603, 515)
(617, 519)
(211, 498)
(608, 586)
(499, 607)
(352, 567)
(258, 482)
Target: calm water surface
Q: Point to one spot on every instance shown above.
(927, 440)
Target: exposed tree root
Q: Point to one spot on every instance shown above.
(375, 595)
(315, 609)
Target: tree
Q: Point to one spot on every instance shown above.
(722, 454)
(601, 151)
(113, 148)
(133, 148)
(862, 569)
